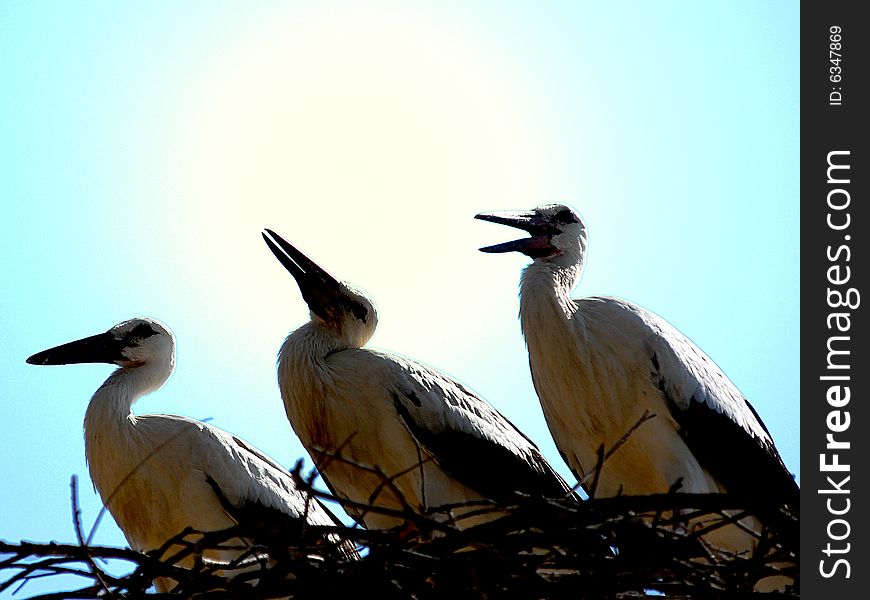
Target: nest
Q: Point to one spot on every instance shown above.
(620, 547)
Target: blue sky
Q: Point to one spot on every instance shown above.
(144, 148)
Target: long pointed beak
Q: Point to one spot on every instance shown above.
(319, 289)
(540, 230)
(526, 220)
(100, 348)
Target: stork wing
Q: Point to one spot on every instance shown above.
(716, 421)
(253, 488)
(470, 440)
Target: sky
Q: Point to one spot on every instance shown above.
(143, 149)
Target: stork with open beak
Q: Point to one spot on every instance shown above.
(389, 432)
(160, 474)
(600, 363)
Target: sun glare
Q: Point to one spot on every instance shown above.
(368, 142)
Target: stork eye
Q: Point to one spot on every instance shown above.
(565, 216)
(359, 311)
(141, 331)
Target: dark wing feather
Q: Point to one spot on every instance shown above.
(256, 517)
(467, 437)
(258, 493)
(321, 508)
(716, 421)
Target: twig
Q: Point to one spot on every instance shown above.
(603, 457)
(77, 524)
(132, 472)
(541, 548)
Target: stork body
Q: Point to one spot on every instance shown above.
(388, 417)
(160, 474)
(600, 363)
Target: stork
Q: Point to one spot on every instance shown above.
(160, 474)
(389, 432)
(599, 364)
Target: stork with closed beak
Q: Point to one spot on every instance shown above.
(600, 363)
(386, 431)
(160, 474)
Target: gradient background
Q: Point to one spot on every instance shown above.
(142, 150)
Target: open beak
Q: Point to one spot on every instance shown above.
(536, 246)
(100, 348)
(320, 290)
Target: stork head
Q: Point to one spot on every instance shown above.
(558, 234)
(131, 344)
(335, 305)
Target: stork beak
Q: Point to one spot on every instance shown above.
(536, 246)
(100, 348)
(319, 289)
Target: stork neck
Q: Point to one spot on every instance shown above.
(304, 377)
(316, 341)
(546, 281)
(303, 354)
(112, 403)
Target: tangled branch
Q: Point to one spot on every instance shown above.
(625, 546)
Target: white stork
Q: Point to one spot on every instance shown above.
(600, 363)
(160, 474)
(388, 416)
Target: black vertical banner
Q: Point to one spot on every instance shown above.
(835, 368)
